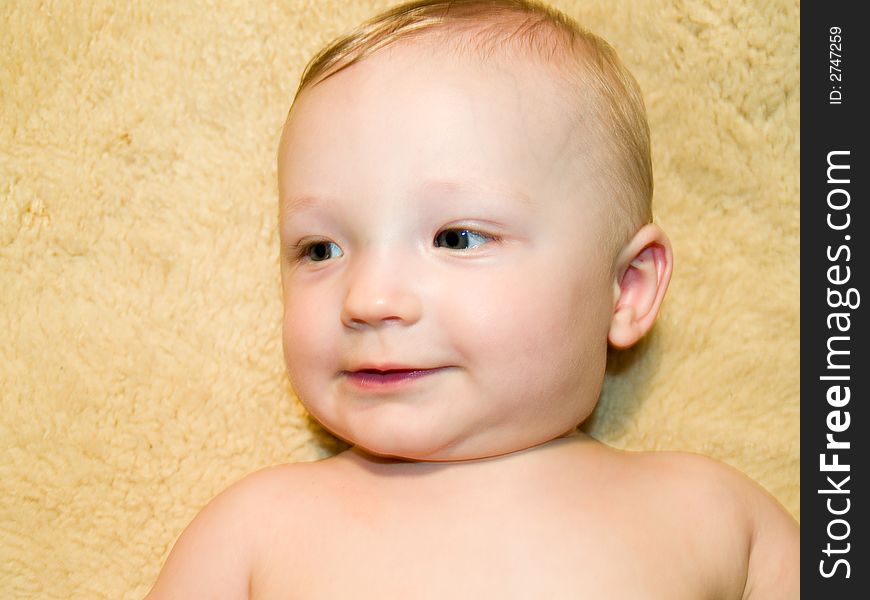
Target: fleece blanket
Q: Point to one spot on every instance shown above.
(140, 355)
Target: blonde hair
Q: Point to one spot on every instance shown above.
(586, 64)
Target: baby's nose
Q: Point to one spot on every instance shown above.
(380, 292)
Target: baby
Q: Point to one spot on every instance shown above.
(465, 224)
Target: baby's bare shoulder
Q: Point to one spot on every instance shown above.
(771, 534)
(688, 480)
(707, 496)
(736, 527)
(215, 554)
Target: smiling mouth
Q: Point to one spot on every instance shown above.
(387, 379)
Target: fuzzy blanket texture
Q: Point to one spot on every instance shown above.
(141, 369)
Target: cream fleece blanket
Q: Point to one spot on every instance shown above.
(140, 363)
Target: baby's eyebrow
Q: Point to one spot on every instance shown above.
(429, 188)
(299, 203)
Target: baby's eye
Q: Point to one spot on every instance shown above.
(320, 251)
(460, 239)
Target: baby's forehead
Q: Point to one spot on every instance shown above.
(439, 73)
(424, 91)
(419, 99)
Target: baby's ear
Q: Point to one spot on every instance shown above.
(643, 272)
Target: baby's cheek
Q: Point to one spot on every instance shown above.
(546, 324)
(301, 325)
(510, 318)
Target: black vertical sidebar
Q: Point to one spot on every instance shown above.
(835, 369)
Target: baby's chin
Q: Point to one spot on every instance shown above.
(444, 450)
(410, 450)
(395, 432)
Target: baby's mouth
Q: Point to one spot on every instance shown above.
(371, 378)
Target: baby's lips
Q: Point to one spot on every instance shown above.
(385, 368)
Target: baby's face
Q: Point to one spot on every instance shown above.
(432, 224)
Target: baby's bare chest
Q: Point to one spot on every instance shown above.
(479, 548)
